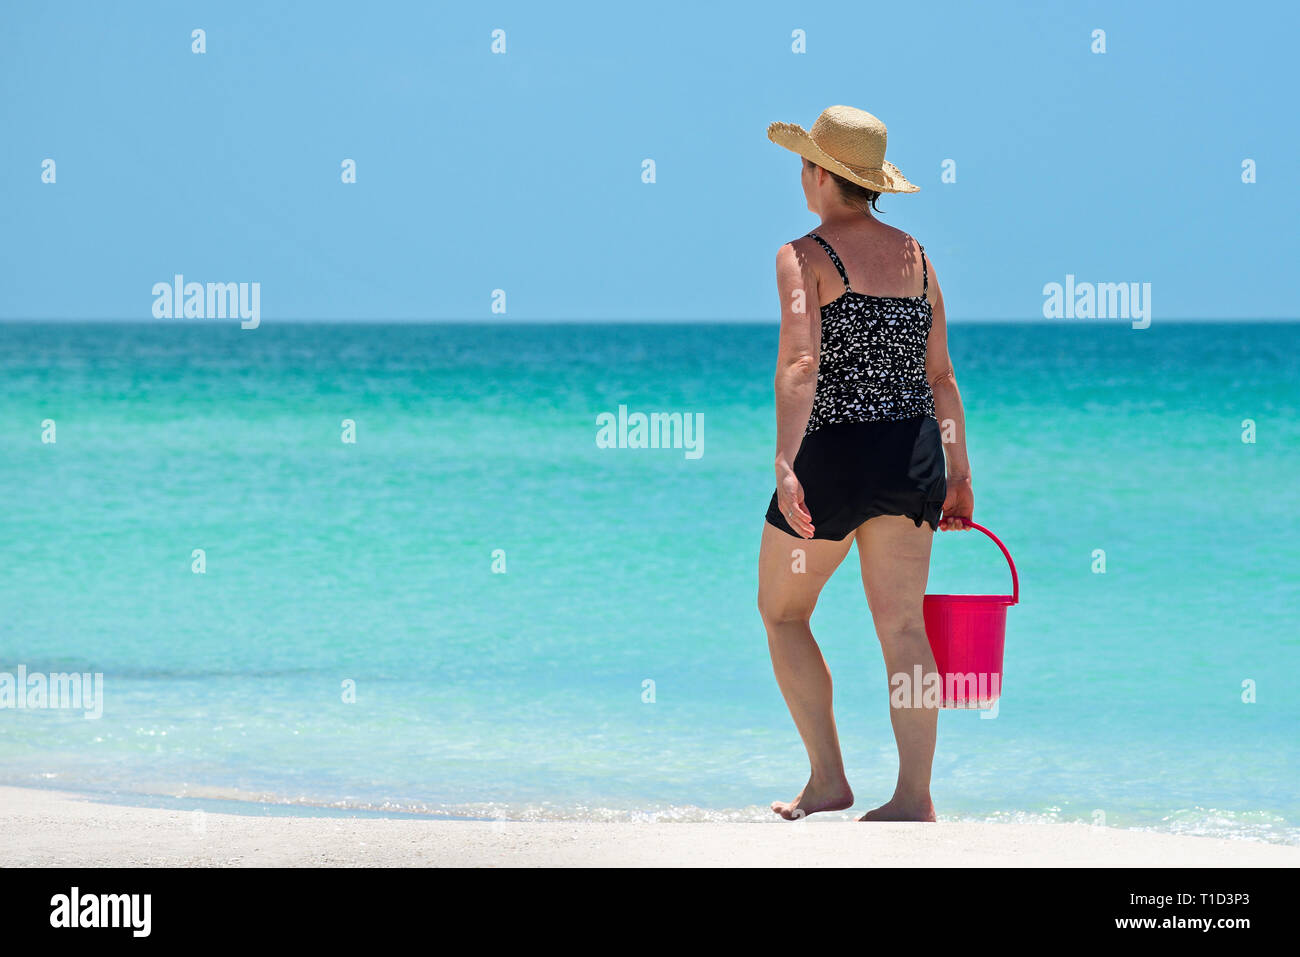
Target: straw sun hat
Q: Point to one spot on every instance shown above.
(846, 141)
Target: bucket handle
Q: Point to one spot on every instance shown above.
(1015, 579)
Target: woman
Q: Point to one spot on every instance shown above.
(863, 380)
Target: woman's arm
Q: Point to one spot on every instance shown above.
(797, 357)
(960, 500)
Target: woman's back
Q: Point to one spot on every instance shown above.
(873, 333)
(879, 260)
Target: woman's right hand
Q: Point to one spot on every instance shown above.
(958, 504)
(789, 496)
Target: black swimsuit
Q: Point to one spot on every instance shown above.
(872, 446)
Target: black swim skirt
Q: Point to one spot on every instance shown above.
(854, 471)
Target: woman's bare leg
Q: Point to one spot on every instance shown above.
(895, 557)
(791, 573)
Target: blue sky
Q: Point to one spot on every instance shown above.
(523, 171)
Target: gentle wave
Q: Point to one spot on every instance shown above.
(1254, 826)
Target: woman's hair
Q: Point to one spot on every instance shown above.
(854, 195)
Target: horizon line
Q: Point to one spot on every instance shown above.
(507, 321)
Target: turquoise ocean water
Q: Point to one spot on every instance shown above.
(521, 694)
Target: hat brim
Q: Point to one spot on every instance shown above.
(795, 138)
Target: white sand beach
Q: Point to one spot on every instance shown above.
(53, 828)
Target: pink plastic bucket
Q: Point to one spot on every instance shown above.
(967, 633)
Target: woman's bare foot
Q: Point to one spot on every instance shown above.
(815, 797)
(897, 810)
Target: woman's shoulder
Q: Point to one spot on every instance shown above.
(898, 235)
(797, 248)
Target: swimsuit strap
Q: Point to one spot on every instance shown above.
(839, 266)
(925, 273)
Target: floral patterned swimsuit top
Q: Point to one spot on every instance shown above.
(872, 364)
